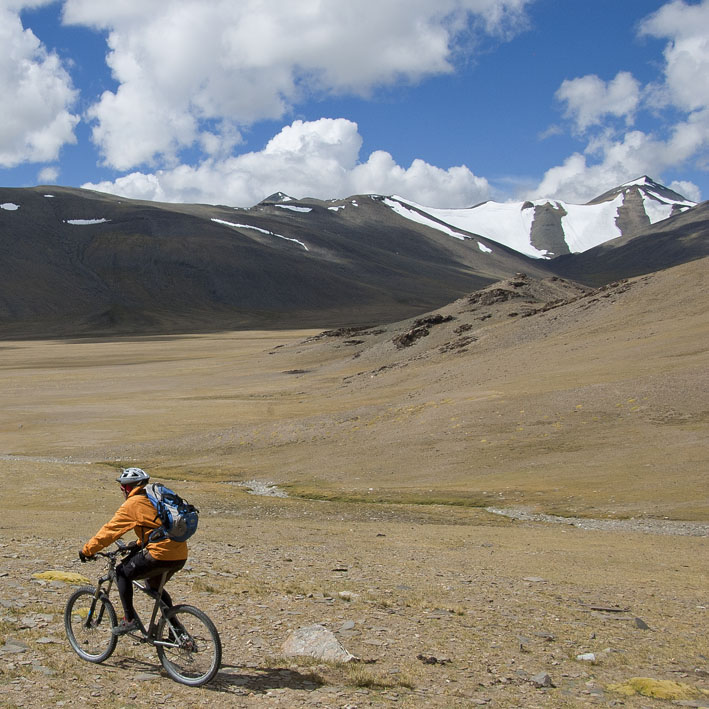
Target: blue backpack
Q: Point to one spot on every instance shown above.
(178, 517)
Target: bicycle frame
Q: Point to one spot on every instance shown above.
(149, 634)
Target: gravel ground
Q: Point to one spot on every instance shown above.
(645, 526)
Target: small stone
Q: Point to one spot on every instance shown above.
(316, 641)
(13, 646)
(432, 660)
(46, 671)
(586, 657)
(348, 595)
(541, 680)
(640, 623)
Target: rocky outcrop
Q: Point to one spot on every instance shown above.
(547, 232)
(632, 216)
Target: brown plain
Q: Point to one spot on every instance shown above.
(390, 457)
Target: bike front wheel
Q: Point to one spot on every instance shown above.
(188, 645)
(89, 623)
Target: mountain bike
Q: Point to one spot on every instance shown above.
(186, 640)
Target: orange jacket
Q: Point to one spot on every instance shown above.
(136, 513)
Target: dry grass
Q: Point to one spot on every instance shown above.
(587, 412)
(596, 413)
(493, 601)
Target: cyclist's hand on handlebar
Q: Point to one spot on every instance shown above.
(122, 546)
(84, 558)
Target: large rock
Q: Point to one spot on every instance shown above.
(316, 641)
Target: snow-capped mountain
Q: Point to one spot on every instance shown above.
(547, 228)
(77, 262)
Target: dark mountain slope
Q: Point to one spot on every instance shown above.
(79, 262)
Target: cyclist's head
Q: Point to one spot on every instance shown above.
(130, 478)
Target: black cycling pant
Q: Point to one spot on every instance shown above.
(143, 566)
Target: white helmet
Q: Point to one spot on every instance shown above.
(133, 476)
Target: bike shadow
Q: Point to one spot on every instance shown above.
(230, 677)
(261, 680)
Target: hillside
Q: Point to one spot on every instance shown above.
(541, 394)
(74, 262)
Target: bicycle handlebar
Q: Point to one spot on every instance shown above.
(122, 549)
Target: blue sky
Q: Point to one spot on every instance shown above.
(445, 102)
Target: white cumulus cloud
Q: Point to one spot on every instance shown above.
(589, 99)
(581, 178)
(680, 96)
(193, 73)
(306, 159)
(687, 189)
(48, 175)
(686, 74)
(36, 94)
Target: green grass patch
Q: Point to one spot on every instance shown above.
(454, 498)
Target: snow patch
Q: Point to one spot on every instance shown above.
(242, 226)
(640, 182)
(85, 222)
(293, 208)
(484, 248)
(49, 196)
(658, 209)
(336, 209)
(586, 226)
(505, 223)
(9, 206)
(655, 210)
(510, 223)
(263, 231)
(404, 211)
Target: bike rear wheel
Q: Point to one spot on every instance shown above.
(195, 655)
(89, 623)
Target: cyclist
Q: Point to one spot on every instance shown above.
(151, 559)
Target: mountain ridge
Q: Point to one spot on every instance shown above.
(73, 261)
(546, 228)
(80, 262)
